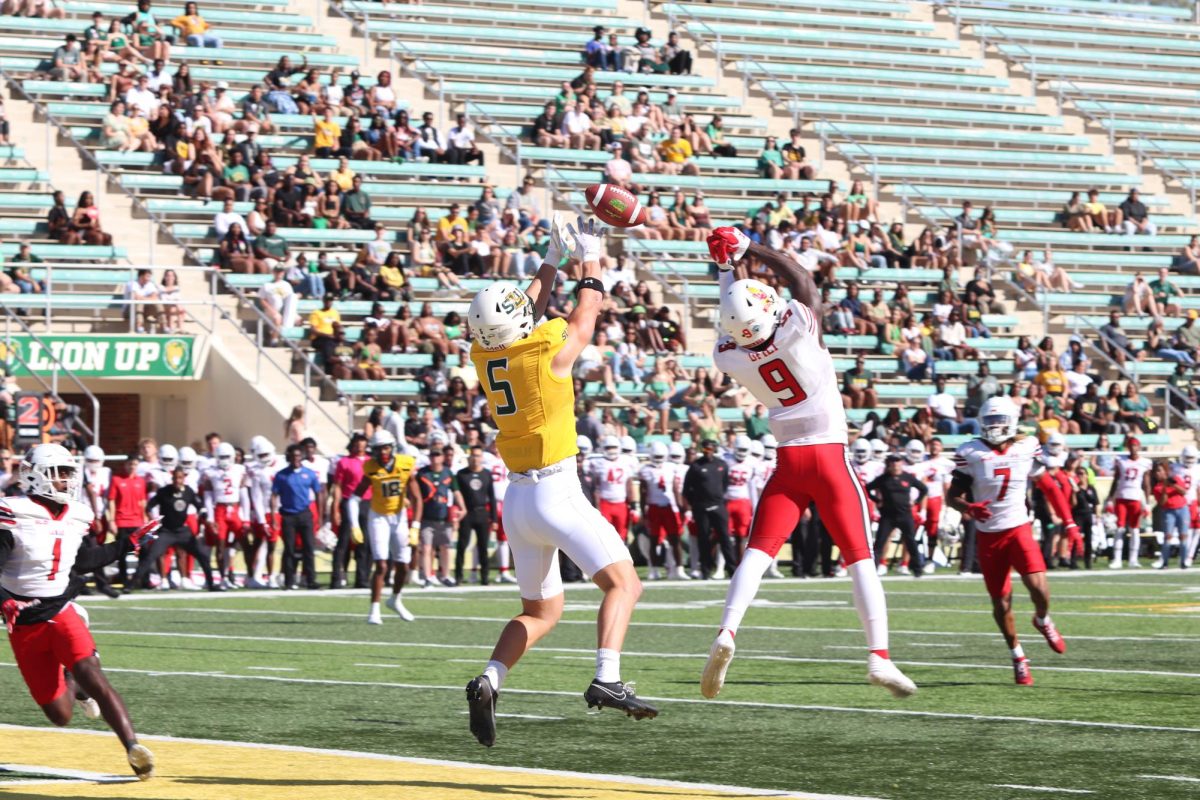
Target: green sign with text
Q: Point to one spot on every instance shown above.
(87, 356)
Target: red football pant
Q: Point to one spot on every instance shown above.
(1056, 489)
(501, 536)
(661, 522)
(1129, 513)
(933, 515)
(228, 520)
(1002, 552)
(617, 515)
(44, 648)
(269, 530)
(740, 516)
(806, 474)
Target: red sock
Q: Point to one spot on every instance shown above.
(882, 654)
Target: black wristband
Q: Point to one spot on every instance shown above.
(590, 283)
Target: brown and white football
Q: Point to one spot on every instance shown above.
(615, 206)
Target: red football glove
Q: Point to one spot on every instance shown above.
(144, 534)
(12, 609)
(727, 245)
(979, 511)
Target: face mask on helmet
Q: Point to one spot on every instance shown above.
(914, 453)
(998, 428)
(225, 455)
(499, 315)
(1054, 446)
(612, 453)
(168, 457)
(1189, 456)
(49, 471)
(861, 452)
(750, 312)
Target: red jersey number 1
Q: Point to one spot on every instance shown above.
(57, 559)
(779, 379)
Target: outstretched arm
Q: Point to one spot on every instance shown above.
(728, 245)
(581, 324)
(542, 285)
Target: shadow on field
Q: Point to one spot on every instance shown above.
(548, 792)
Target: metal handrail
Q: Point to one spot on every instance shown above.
(93, 431)
(163, 227)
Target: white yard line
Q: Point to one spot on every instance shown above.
(61, 775)
(931, 644)
(898, 712)
(1041, 788)
(274, 669)
(523, 716)
(1177, 778)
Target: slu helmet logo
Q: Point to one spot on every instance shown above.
(176, 355)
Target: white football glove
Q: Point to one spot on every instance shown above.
(561, 242)
(588, 240)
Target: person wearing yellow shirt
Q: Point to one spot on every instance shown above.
(343, 176)
(525, 372)
(320, 328)
(194, 29)
(326, 133)
(675, 154)
(388, 476)
(1101, 215)
(450, 223)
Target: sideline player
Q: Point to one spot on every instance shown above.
(389, 477)
(737, 493)
(222, 489)
(1188, 471)
(989, 485)
(525, 372)
(40, 544)
(264, 525)
(661, 500)
(1130, 488)
(775, 350)
(1057, 497)
(612, 478)
(493, 461)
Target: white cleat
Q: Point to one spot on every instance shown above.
(881, 570)
(840, 572)
(189, 585)
(396, 604)
(374, 618)
(506, 577)
(680, 575)
(719, 657)
(882, 672)
(1114, 564)
(1135, 565)
(142, 761)
(89, 707)
(773, 571)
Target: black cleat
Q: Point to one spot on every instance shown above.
(619, 696)
(481, 699)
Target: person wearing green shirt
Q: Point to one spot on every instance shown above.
(757, 425)
(858, 385)
(270, 247)
(356, 206)
(1165, 293)
(770, 162)
(236, 176)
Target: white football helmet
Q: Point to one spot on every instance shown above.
(914, 451)
(45, 465)
(1055, 443)
(382, 438)
(584, 444)
(611, 446)
(861, 451)
(998, 418)
(628, 445)
(187, 458)
(757, 450)
(750, 311)
(879, 450)
(675, 452)
(1189, 455)
(499, 315)
(225, 455)
(770, 445)
(93, 454)
(263, 449)
(658, 452)
(168, 457)
(741, 447)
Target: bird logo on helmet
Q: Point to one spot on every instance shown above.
(499, 315)
(914, 451)
(168, 457)
(658, 452)
(741, 447)
(861, 451)
(998, 418)
(750, 311)
(49, 471)
(225, 455)
(611, 447)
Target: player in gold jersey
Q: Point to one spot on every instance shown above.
(525, 371)
(387, 475)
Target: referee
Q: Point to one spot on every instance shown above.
(477, 496)
(292, 491)
(173, 502)
(704, 490)
(893, 492)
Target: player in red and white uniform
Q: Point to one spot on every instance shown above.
(737, 494)
(990, 483)
(775, 350)
(492, 461)
(264, 462)
(613, 478)
(1127, 497)
(222, 486)
(1187, 469)
(661, 501)
(1058, 493)
(41, 542)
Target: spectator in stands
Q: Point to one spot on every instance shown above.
(194, 29)
(914, 361)
(114, 130)
(858, 386)
(1139, 297)
(237, 254)
(430, 143)
(67, 61)
(255, 119)
(1135, 411)
(326, 135)
(58, 221)
(547, 129)
(1075, 215)
(770, 160)
(225, 218)
(524, 201)
(1113, 339)
(382, 97)
(943, 407)
(170, 295)
(1101, 216)
(463, 149)
(404, 137)
(235, 177)
(141, 294)
(1188, 260)
(597, 54)
(33, 8)
(1136, 218)
(18, 277)
(356, 206)
(577, 126)
(696, 136)
(952, 339)
(86, 222)
(1166, 293)
(1160, 345)
(675, 154)
(677, 59)
(278, 82)
(271, 249)
(321, 324)
(431, 332)
(1183, 382)
(1187, 335)
(1087, 412)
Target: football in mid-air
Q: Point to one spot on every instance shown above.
(615, 206)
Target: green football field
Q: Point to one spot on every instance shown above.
(1117, 716)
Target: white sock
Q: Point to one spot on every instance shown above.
(495, 672)
(502, 555)
(1190, 545)
(743, 587)
(1135, 544)
(1043, 620)
(260, 562)
(643, 543)
(1118, 545)
(694, 552)
(374, 609)
(1018, 652)
(669, 558)
(870, 603)
(608, 665)
(720, 568)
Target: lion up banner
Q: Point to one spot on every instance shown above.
(134, 356)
